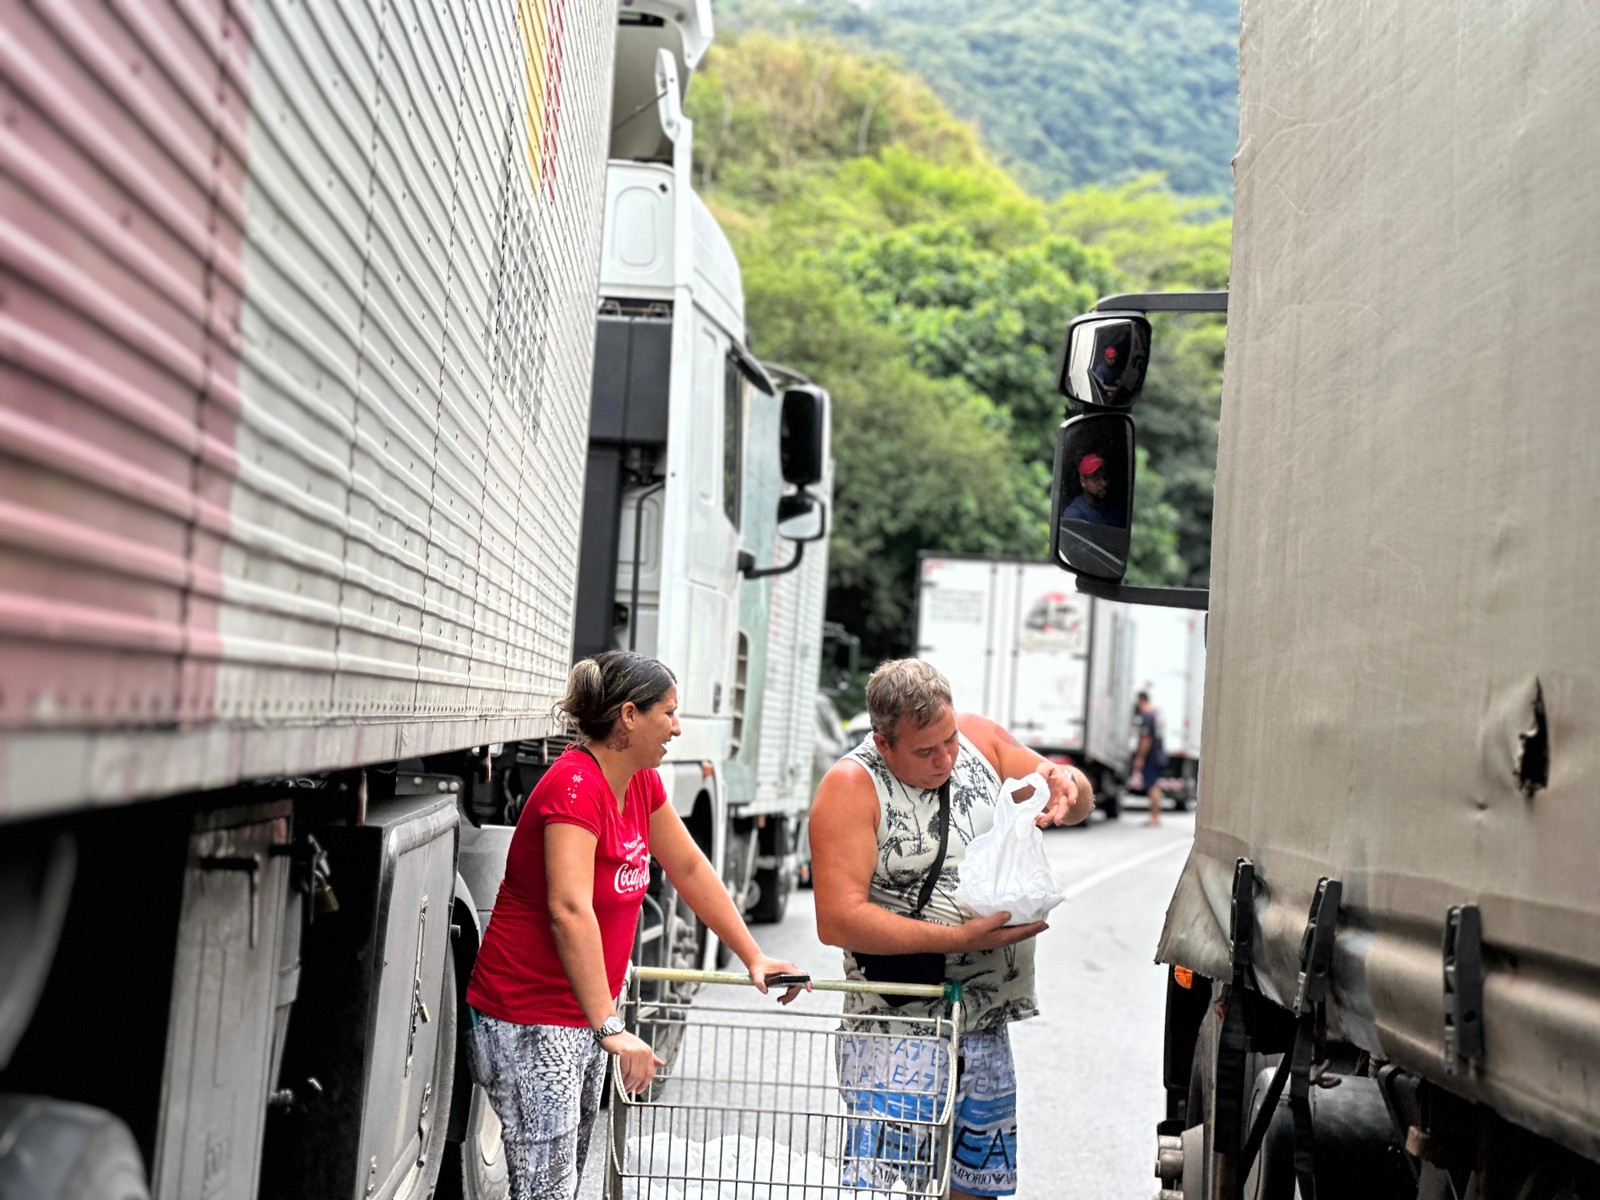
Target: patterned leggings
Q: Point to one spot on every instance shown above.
(544, 1082)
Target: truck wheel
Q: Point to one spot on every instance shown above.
(1111, 803)
(476, 1168)
(678, 944)
(773, 901)
(735, 862)
(773, 883)
(54, 1150)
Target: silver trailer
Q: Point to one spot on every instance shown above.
(295, 361)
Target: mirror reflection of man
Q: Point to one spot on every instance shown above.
(1090, 505)
(1108, 372)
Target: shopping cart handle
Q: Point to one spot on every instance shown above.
(781, 980)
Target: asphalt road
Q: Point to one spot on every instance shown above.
(1088, 1067)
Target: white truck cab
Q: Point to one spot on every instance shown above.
(691, 449)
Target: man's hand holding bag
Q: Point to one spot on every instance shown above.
(1006, 869)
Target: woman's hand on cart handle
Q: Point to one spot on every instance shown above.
(991, 933)
(761, 967)
(639, 1062)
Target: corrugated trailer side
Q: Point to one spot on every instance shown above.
(297, 320)
(295, 367)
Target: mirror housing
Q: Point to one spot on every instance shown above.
(1091, 499)
(802, 517)
(1104, 359)
(803, 435)
(807, 519)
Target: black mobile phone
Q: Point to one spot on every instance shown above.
(787, 980)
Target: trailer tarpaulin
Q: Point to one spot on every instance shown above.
(1405, 612)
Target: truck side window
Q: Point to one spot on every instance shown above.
(732, 439)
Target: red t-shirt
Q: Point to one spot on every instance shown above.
(518, 976)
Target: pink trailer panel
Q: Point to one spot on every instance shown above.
(296, 332)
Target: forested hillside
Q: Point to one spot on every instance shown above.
(1066, 92)
(887, 255)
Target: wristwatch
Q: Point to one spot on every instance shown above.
(610, 1027)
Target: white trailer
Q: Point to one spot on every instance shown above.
(1021, 648)
(1169, 663)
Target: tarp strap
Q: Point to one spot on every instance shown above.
(1305, 1147)
(1228, 1081)
(1310, 1006)
(1228, 1107)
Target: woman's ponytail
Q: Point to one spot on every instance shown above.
(598, 687)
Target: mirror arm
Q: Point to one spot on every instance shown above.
(748, 568)
(1149, 302)
(747, 561)
(1165, 301)
(1161, 597)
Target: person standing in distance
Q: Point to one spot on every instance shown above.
(1150, 759)
(875, 837)
(545, 985)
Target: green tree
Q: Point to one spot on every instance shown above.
(990, 316)
(1067, 93)
(889, 257)
(921, 462)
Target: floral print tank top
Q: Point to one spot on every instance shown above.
(996, 985)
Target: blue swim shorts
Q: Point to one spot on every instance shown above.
(892, 1088)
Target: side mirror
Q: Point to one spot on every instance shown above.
(803, 436)
(802, 517)
(1105, 358)
(1091, 503)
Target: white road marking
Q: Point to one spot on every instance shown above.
(1118, 868)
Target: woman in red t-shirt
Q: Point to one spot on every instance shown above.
(555, 954)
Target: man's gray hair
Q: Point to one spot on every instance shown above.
(905, 687)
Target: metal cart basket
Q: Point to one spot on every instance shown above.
(784, 1103)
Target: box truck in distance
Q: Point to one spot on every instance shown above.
(1020, 647)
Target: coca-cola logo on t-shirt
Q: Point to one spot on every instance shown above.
(633, 874)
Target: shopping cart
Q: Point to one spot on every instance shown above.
(753, 1104)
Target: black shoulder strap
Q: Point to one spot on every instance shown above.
(932, 880)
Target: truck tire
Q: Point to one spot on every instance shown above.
(735, 859)
(773, 884)
(772, 898)
(678, 943)
(475, 1169)
(1111, 802)
(54, 1150)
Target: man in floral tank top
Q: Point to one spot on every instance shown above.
(875, 834)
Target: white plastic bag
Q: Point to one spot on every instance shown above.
(1005, 868)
